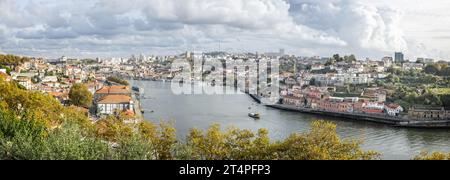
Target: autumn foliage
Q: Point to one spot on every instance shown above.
(35, 126)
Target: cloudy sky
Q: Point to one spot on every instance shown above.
(119, 28)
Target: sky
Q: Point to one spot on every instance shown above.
(120, 28)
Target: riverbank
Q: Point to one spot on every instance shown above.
(392, 121)
(201, 111)
(368, 118)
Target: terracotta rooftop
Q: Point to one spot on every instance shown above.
(393, 106)
(114, 90)
(4, 75)
(57, 94)
(115, 99)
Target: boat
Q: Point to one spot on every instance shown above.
(254, 115)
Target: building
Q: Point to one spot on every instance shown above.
(282, 52)
(50, 79)
(375, 94)
(388, 61)
(428, 113)
(6, 76)
(373, 107)
(335, 104)
(109, 104)
(399, 57)
(63, 59)
(112, 90)
(317, 67)
(429, 61)
(393, 109)
(294, 101)
(62, 97)
(413, 66)
(25, 82)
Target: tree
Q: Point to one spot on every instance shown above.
(8, 70)
(433, 156)
(432, 69)
(322, 142)
(445, 71)
(351, 58)
(80, 96)
(118, 80)
(313, 82)
(337, 58)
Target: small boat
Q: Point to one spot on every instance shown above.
(254, 115)
(135, 88)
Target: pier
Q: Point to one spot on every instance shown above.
(381, 119)
(393, 121)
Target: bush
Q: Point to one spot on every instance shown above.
(118, 81)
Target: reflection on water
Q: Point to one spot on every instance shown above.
(200, 111)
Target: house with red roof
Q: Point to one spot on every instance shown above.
(393, 109)
(111, 103)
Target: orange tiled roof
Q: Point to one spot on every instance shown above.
(114, 90)
(56, 94)
(115, 99)
(393, 106)
(129, 112)
(4, 75)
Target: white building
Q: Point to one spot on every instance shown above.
(109, 104)
(413, 66)
(50, 79)
(63, 59)
(393, 109)
(25, 82)
(374, 105)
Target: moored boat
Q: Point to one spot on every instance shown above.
(254, 115)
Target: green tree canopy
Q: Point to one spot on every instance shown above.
(12, 60)
(432, 69)
(118, 80)
(80, 96)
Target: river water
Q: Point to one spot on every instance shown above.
(200, 111)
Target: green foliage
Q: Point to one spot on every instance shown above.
(433, 156)
(80, 96)
(34, 126)
(8, 70)
(322, 142)
(438, 69)
(30, 105)
(12, 60)
(118, 81)
(432, 69)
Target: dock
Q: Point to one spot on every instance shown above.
(387, 120)
(255, 98)
(374, 118)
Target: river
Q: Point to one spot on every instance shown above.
(200, 111)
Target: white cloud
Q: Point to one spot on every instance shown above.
(363, 26)
(117, 27)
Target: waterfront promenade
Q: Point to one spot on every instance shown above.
(393, 121)
(382, 119)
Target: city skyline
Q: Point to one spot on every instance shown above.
(116, 28)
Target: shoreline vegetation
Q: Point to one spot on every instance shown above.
(34, 126)
(117, 80)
